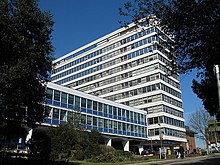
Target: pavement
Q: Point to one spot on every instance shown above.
(187, 160)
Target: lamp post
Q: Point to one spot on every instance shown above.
(161, 142)
(216, 72)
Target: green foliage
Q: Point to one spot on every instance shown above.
(106, 149)
(70, 143)
(207, 91)
(114, 156)
(74, 119)
(195, 27)
(25, 59)
(40, 146)
(63, 140)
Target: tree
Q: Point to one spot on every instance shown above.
(194, 26)
(198, 123)
(67, 142)
(25, 60)
(74, 119)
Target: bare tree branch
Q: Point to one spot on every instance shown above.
(198, 123)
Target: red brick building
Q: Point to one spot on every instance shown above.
(190, 145)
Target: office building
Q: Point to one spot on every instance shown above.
(119, 124)
(132, 66)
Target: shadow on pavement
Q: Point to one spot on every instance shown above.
(22, 161)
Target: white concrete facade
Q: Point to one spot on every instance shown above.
(130, 66)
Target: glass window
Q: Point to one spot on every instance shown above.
(131, 113)
(63, 115)
(110, 124)
(135, 116)
(89, 120)
(56, 95)
(128, 127)
(55, 114)
(142, 117)
(105, 109)
(89, 104)
(100, 122)
(150, 121)
(132, 128)
(123, 113)
(83, 102)
(83, 119)
(94, 121)
(161, 119)
(94, 105)
(115, 125)
(110, 110)
(105, 123)
(64, 98)
(70, 99)
(139, 117)
(49, 93)
(119, 111)
(127, 114)
(100, 107)
(124, 127)
(77, 101)
(48, 112)
(151, 132)
(155, 120)
(119, 126)
(115, 111)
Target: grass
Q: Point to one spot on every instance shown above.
(115, 163)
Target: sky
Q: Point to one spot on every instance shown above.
(78, 22)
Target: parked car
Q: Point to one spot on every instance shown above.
(148, 152)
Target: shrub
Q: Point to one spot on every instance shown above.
(114, 156)
(106, 149)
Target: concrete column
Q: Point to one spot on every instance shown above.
(108, 142)
(125, 144)
(140, 148)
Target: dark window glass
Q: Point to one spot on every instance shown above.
(95, 121)
(77, 101)
(127, 114)
(105, 123)
(63, 115)
(157, 131)
(57, 95)
(83, 102)
(49, 94)
(100, 107)
(124, 127)
(105, 108)
(83, 119)
(115, 111)
(64, 98)
(119, 111)
(110, 110)
(70, 99)
(94, 105)
(89, 120)
(89, 104)
(48, 112)
(55, 114)
(155, 120)
(150, 121)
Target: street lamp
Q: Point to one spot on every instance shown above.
(161, 142)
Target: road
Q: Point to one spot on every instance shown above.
(200, 160)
